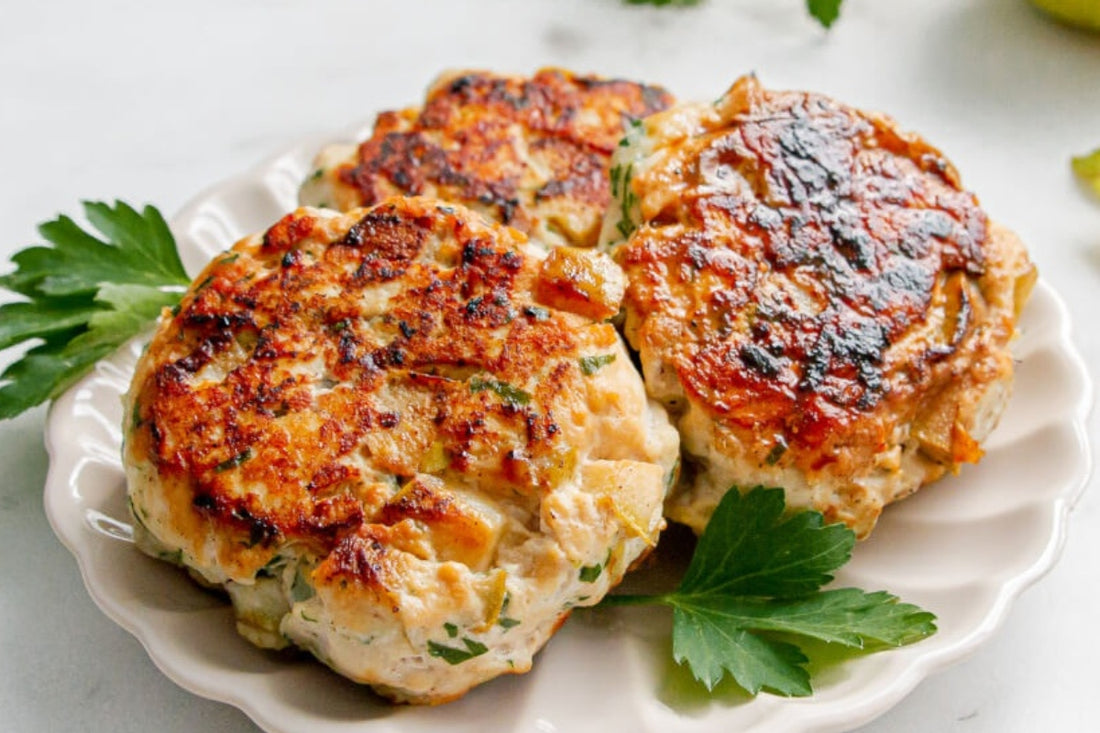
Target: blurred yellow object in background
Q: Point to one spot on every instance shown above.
(1081, 13)
(1087, 168)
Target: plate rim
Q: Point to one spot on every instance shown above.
(828, 719)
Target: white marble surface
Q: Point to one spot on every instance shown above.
(154, 101)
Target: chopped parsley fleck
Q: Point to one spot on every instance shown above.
(626, 225)
(204, 284)
(234, 461)
(589, 573)
(300, 589)
(621, 178)
(451, 655)
(137, 513)
(451, 629)
(592, 364)
(510, 394)
(504, 621)
(776, 452)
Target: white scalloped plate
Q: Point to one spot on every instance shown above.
(963, 548)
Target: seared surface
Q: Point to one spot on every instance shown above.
(528, 152)
(816, 295)
(372, 432)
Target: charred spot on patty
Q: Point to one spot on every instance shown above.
(530, 152)
(801, 268)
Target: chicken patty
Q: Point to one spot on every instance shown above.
(401, 438)
(528, 152)
(815, 297)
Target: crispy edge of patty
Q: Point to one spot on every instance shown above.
(813, 281)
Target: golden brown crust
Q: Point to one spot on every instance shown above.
(529, 152)
(458, 360)
(390, 450)
(581, 281)
(819, 285)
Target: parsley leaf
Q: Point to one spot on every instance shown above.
(234, 461)
(451, 655)
(592, 364)
(621, 189)
(590, 573)
(1087, 168)
(756, 574)
(512, 395)
(83, 297)
(824, 11)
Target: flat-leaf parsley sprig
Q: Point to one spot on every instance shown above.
(83, 297)
(754, 584)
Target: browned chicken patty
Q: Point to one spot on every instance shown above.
(528, 152)
(401, 438)
(815, 297)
